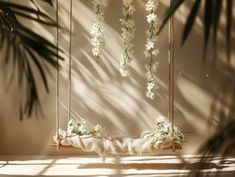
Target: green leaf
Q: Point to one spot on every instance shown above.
(216, 20)
(31, 52)
(170, 12)
(208, 11)
(190, 20)
(229, 15)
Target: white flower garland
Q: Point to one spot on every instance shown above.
(97, 30)
(128, 31)
(151, 49)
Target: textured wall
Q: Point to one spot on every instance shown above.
(101, 95)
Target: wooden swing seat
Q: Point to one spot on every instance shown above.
(177, 147)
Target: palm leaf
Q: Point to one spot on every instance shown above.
(31, 51)
(212, 13)
(208, 12)
(229, 14)
(216, 20)
(170, 12)
(190, 20)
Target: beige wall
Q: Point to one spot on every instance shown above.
(101, 95)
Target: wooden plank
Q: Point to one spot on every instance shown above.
(177, 147)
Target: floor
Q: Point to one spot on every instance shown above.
(129, 166)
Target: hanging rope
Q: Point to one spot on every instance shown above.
(70, 59)
(57, 76)
(171, 71)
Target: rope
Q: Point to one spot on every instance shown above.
(57, 76)
(70, 58)
(171, 72)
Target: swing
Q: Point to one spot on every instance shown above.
(102, 144)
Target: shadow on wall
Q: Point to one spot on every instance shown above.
(102, 96)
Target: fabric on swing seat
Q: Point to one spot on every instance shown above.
(91, 138)
(116, 146)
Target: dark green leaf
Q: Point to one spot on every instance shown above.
(229, 15)
(208, 12)
(170, 12)
(30, 51)
(216, 20)
(190, 20)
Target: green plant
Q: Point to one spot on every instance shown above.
(223, 141)
(211, 20)
(26, 50)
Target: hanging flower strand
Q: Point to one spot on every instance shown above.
(128, 32)
(97, 30)
(151, 51)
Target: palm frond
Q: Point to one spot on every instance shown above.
(229, 20)
(211, 21)
(190, 20)
(30, 51)
(170, 12)
(208, 14)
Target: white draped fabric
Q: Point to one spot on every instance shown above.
(115, 146)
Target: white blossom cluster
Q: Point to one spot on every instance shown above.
(128, 32)
(151, 51)
(163, 132)
(85, 128)
(97, 30)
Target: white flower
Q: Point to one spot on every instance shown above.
(124, 72)
(150, 5)
(149, 45)
(163, 133)
(147, 54)
(150, 85)
(72, 126)
(155, 52)
(150, 94)
(151, 17)
(161, 119)
(97, 127)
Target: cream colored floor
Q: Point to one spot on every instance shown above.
(92, 166)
